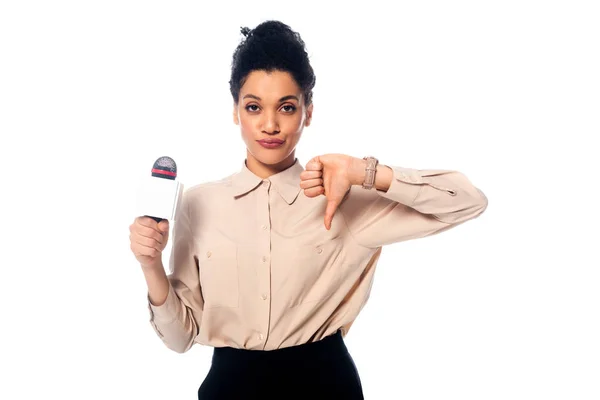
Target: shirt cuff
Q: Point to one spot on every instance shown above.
(405, 186)
(166, 312)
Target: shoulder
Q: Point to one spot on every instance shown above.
(208, 190)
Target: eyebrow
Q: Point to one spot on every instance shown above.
(284, 98)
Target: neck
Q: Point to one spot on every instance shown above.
(263, 170)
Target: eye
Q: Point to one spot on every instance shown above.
(288, 108)
(252, 107)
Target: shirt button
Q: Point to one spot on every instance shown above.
(264, 227)
(260, 336)
(208, 254)
(264, 259)
(320, 250)
(264, 296)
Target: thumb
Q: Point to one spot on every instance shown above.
(314, 164)
(332, 205)
(163, 226)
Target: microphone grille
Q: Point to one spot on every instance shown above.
(165, 167)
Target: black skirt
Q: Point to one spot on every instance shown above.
(316, 370)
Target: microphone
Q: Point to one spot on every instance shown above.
(159, 195)
(166, 168)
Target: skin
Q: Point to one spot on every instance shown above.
(261, 113)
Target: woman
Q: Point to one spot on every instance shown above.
(271, 265)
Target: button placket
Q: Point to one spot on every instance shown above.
(263, 260)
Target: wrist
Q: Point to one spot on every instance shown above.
(383, 178)
(357, 171)
(152, 268)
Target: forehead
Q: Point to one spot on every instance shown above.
(270, 85)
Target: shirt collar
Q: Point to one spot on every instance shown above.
(286, 182)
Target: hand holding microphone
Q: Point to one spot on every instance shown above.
(148, 240)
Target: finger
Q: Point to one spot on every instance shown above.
(332, 205)
(141, 250)
(145, 245)
(147, 221)
(147, 251)
(163, 226)
(149, 233)
(311, 183)
(314, 191)
(146, 241)
(314, 165)
(310, 174)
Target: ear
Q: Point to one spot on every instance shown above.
(309, 111)
(236, 119)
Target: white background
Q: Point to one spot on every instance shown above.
(506, 306)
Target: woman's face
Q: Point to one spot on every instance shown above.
(271, 106)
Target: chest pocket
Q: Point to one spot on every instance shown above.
(219, 278)
(315, 272)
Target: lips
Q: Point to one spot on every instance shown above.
(271, 141)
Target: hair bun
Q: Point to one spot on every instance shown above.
(245, 31)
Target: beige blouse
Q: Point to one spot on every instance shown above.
(252, 265)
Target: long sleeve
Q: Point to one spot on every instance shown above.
(176, 321)
(418, 203)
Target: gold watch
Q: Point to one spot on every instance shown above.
(370, 172)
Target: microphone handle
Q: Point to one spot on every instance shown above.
(157, 219)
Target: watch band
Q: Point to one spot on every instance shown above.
(370, 172)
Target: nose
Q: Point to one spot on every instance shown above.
(270, 123)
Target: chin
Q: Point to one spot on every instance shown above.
(272, 159)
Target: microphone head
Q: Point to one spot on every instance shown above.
(165, 167)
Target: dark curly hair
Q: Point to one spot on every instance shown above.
(272, 45)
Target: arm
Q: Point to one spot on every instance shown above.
(175, 302)
(408, 203)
